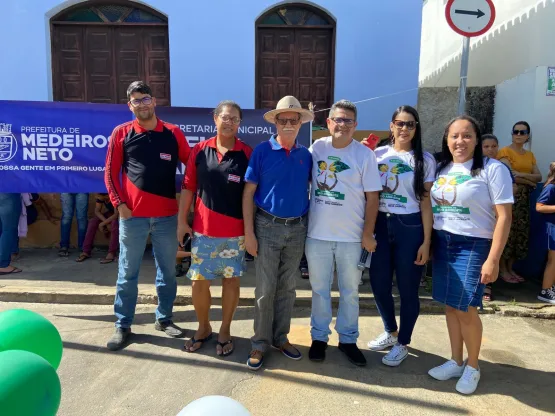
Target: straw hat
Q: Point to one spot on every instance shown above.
(289, 104)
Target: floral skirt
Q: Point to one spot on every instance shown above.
(213, 257)
(517, 244)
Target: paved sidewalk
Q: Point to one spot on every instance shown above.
(154, 377)
(47, 278)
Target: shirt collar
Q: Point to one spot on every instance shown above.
(140, 129)
(276, 146)
(212, 142)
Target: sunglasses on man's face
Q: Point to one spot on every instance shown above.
(520, 132)
(292, 121)
(411, 125)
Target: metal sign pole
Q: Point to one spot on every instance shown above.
(464, 74)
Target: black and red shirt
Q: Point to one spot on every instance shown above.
(218, 181)
(147, 161)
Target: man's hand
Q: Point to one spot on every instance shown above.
(423, 254)
(251, 244)
(490, 271)
(183, 229)
(369, 243)
(124, 212)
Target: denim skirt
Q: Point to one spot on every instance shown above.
(457, 266)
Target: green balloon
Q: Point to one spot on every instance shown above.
(29, 385)
(21, 329)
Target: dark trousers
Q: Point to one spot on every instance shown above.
(399, 237)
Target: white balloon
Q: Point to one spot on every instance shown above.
(212, 405)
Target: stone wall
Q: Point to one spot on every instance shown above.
(436, 106)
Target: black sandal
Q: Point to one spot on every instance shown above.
(223, 344)
(196, 341)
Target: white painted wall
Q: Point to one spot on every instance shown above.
(524, 98)
(520, 39)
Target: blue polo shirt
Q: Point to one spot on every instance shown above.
(282, 177)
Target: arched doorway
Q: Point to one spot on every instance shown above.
(295, 45)
(99, 48)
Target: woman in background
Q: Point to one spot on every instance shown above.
(104, 216)
(525, 170)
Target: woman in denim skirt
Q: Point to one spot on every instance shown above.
(403, 231)
(472, 205)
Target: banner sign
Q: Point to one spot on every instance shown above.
(61, 147)
(550, 81)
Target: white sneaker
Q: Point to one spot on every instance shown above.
(469, 381)
(384, 341)
(396, 356)
(447, 370)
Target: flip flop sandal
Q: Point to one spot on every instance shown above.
(63, 253)
(107, 261)
(82, 258)
(14, 271)
(509, 278)
(223, 344)
(518, 277)
(196, 341)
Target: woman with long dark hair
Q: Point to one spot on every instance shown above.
(545, 205)
(472, 204)
(525, 170)
(403, 230)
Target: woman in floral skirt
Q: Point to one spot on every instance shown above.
(215, 174)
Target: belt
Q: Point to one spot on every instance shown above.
(279, 220)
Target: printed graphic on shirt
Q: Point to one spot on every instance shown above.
(390, 179)
(447, 185)
(327, 178)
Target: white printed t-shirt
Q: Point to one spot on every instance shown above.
(397, 178)
(340, 177)
(463, 204)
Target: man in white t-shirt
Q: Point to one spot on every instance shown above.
(343, 207)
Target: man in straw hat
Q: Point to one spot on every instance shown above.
(277, 181)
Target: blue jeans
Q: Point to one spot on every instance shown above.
(280, 248)
(10, 210)
(399, 237)
(322, 256)
(133, 235)
(78, 203)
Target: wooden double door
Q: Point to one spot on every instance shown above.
(298, 62)
(96, 63)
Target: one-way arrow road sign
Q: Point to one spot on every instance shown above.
(477, 13)
(470, 17)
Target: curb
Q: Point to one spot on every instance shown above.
(365, 304)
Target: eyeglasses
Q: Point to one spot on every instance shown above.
(520, 132)
(292, 121)
(411, 125)
(349, 122)
(138, 101)
(228, 119)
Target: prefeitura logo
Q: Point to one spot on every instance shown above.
(8, 143)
